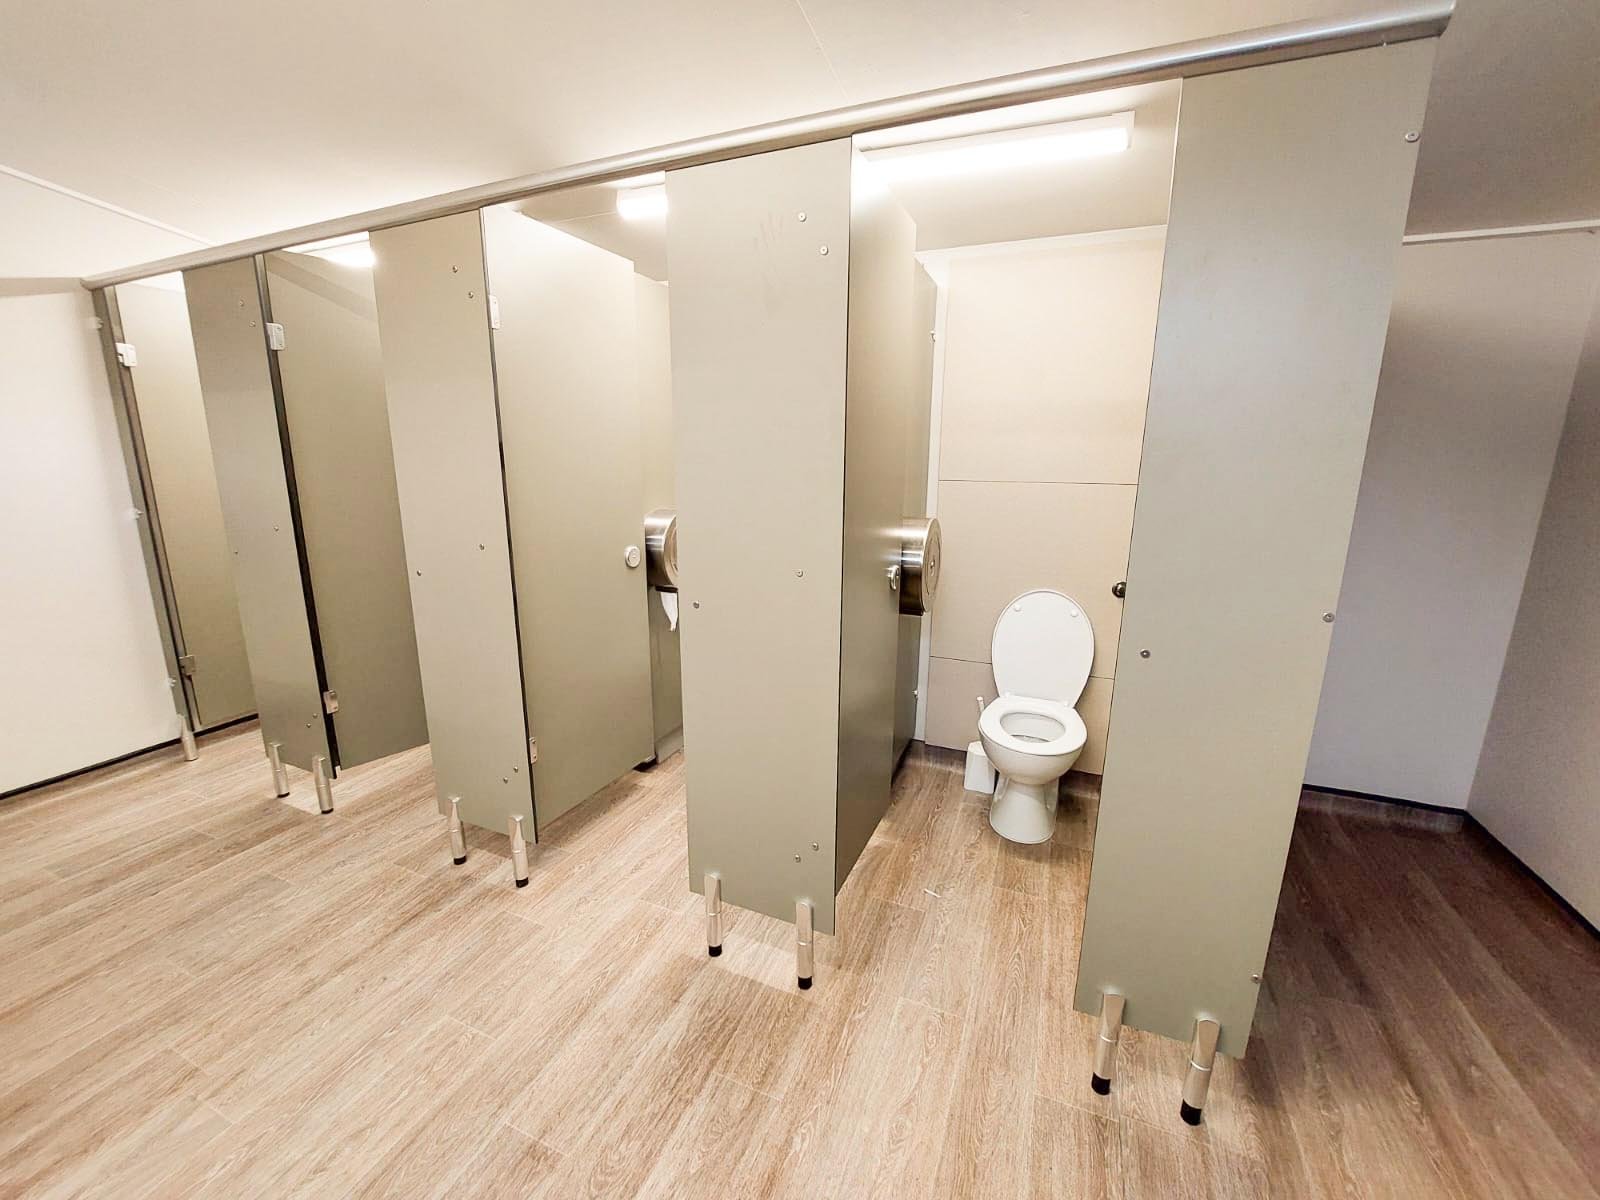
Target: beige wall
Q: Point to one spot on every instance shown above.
(1539, 772)
(1046, 371)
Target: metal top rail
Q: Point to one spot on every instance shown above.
(1206, 56)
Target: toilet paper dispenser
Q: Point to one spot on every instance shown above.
(919, 564)
(661, 549)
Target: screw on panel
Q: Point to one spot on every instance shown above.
(1144, 654)
(1412, 135)
(1327, 618)
(822, 250)
(800, 216)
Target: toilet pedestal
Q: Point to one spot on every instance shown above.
(1025, 812)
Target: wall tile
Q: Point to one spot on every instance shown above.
(1047, 363)
(1000, 539)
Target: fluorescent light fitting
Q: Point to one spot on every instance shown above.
(1005, 150)
(642, 203)
(350, 250)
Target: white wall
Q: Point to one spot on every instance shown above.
(82, 676)
(1483, 343)
(1538, 781)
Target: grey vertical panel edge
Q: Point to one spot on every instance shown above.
(1288, 204)
(439, 378)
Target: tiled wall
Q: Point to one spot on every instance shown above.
(1046, 371)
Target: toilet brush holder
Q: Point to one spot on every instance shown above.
(980, 772)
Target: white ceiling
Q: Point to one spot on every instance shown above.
(231, 120)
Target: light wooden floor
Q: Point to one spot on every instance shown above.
(210, 992)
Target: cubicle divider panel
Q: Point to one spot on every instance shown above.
(1289, 198)
(759, 249)
(880, 383)
(331, 373)
(253, 481)
(925, 301)
(570, 421)
(183, 482)
(433, 316)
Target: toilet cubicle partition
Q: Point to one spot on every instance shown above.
(255, 481)
(516, 429)
(792, 380)
(1289, 199)
(433, 310)
(331, 372)
(167, 420)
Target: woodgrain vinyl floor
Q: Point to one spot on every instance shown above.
(209, 992)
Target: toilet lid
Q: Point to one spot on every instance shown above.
(1043, 646)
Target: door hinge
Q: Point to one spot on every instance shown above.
(494, 313)
(533, 751)
(186, 664)
(330, 702)
(127, 354)
(274, 336)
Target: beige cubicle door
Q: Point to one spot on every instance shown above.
(758, 371)
(1289, 198)
(253, 480)
(331, 372)
(177, 449)
(570, 424)
(433, 317)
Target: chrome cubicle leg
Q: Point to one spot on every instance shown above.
(186, 736)
(519, 851)
(458, 835)
(1197, 1082)
(1105, 1047)
(713, 915)
(319, 775)
(280, 777)
(803, 933)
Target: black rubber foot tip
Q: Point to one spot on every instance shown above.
(713, 951)
(327, 812)
(458, 861)
(805, 982)
(522, 883)
(1189, 1113)
(283, 795)
(1102, 1087)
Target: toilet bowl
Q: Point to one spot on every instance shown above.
(1042, 650)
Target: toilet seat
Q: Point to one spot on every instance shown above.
(1043, 646)
(1069, 741)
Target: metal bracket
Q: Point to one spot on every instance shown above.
(533, 751)
(330, 702)
(275, 339)
(127, 355)
(186, 665)
(494, 312)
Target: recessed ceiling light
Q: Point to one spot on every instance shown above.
(1004, 150)
(642, 203)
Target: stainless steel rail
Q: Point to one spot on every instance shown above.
(1206, 56)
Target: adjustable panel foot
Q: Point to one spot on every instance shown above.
(458, 835)
(319, 775)
(280, 777)
(803, 933)
(713, 915)
(1197, 1082)
(186, 736)
(1105, 1047)
(519, 852)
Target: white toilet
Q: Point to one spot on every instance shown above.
(1042, 650)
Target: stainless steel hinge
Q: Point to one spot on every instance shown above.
(186, 664)
(494, 313)
(275, 336)
(330, 702)
(533, 751)
(127, 354)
